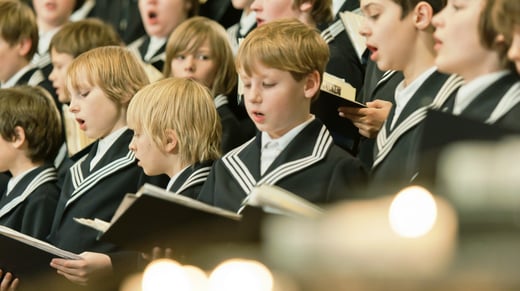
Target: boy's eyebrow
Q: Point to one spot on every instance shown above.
(367, 6)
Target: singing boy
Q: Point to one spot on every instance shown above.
(281, 64)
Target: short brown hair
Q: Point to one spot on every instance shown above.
(321, 10)
(182, 105)
(505, 16)
(114, 69)
(18, 22)
(286, 45)
(408, 6)
(75, 38)
(490, 36)
(33, 109)
(190, 35)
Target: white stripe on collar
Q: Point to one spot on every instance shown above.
(197, 177)
(508, 101)
(246, 180)
(82, 185)
(45, 176)
(385, 143)
(220, 100)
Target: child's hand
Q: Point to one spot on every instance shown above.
(368, 120)
(85, 270)
(9, 282)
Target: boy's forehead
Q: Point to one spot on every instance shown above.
(366, 4)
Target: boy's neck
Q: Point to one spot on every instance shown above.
(20, 64)
(177, 167)
(23, 164)
(44, 27)
(422, 60)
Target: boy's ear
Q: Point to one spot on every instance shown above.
(306, 6)
(187, 6)
(125, 100)
(423, 14)
(19, 137)
(170, 141)
(24, 46)
(312, 84)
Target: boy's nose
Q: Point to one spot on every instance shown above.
(363, 29)
(255, 5)
(189, 64)
(514, 50)
(253, 96)
(73, 106)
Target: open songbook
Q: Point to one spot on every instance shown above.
(25, 256)
(157, 217)
(339, 88)
(280, 201)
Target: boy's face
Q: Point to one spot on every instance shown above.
(96, 114)
(275, 101)
(199, 66)
(7, 154)
(12, 60)
(150, 157)
(161, 17)
(388, 37)
(54, 12)
(514, 50)
(241, 4)
(457, 40)
(269, 10)
(58, 76)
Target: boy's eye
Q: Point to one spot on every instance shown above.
(247, 85)
(455, 7)
(180, 57)
(203, 57)
(268, 85)
(84, 93)
(373, 16)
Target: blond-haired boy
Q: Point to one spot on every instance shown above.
(175, 137)
(281, 64)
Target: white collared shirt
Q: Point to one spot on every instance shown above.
(247, 22)
(153, 47)
(14, 79)
(271, 148)
(45, 40)
(469, 91)
(104, 145)
(403, 94)
(336, 5)
(83, 11)
(14, 180)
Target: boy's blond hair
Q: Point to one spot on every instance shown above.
(114, 69)
(190, 35)
(75, 38)
(286, 45)
(33, 109)
(18, 22)
(181, 105)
